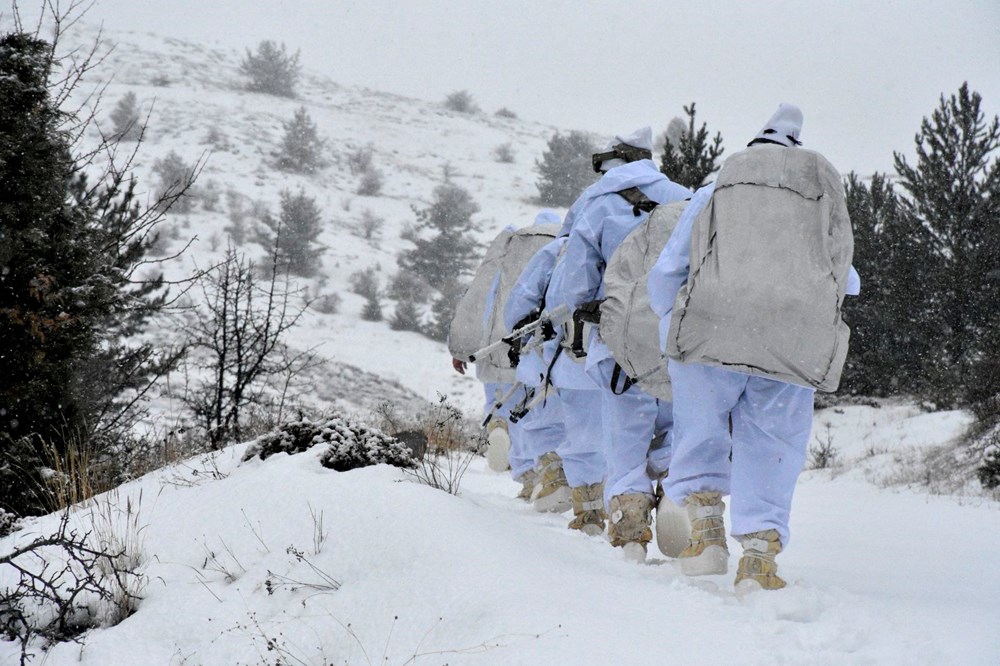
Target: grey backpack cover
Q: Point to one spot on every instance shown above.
(478, 319)
(629, 327)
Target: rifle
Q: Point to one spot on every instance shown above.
(552, 317)
(587, 313)
(500, 402)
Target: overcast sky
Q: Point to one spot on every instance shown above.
(864, 73)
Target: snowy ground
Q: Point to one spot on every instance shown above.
(877, 575)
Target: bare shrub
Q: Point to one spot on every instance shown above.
(371, 224)
(452, 444)
(442, 440)
(237, 339)
(57, 586)
(217, 139)
(824, 454)
(504, 112)
(361, 160)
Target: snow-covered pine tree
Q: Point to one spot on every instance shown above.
(301, 148)
(444, 247)
(406, 317)
(271, 70)
(565, 169)
(176, 179)
(126, 120)
(294, 233)
(69, 308)
(443, 311)
(372, 310)
(689, 159)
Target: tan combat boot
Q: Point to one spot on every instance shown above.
(588, 509)
(498, 445)
(757, 568)
(527, 481)
(706, 552)
(631, 520)
(551, 493)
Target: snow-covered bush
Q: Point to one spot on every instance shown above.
(504, 153)
(989, 472)
(326, 303)
(504, 112)
(371, 183)
(461, 101)
(8, 522)
(349, 445)
(361, 160)
(365, 282)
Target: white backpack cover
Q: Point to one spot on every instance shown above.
(478, 319)
(629, 327)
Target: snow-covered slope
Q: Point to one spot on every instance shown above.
(200, 112)
(877, 576)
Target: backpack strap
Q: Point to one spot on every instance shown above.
(640, 202)
(615, 375)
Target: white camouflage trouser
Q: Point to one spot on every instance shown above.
(582, 450)
(772, 422)
(636, 423)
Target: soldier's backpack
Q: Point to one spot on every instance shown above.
(478, 319)
(628, 326)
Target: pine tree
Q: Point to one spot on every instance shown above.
(301, 148)
(126, 120)
(406, 317)
(176, 179)
(271, 70)
(68, 302)
(373, 307)
(892, 334)
(689, 159)
(294, 233)
(443, 311)
(565, 169)
(444, 248)
(952, 191)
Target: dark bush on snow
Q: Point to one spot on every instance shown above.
(349, 445)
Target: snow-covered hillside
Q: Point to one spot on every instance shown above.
(876, 576)
(200, 112)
